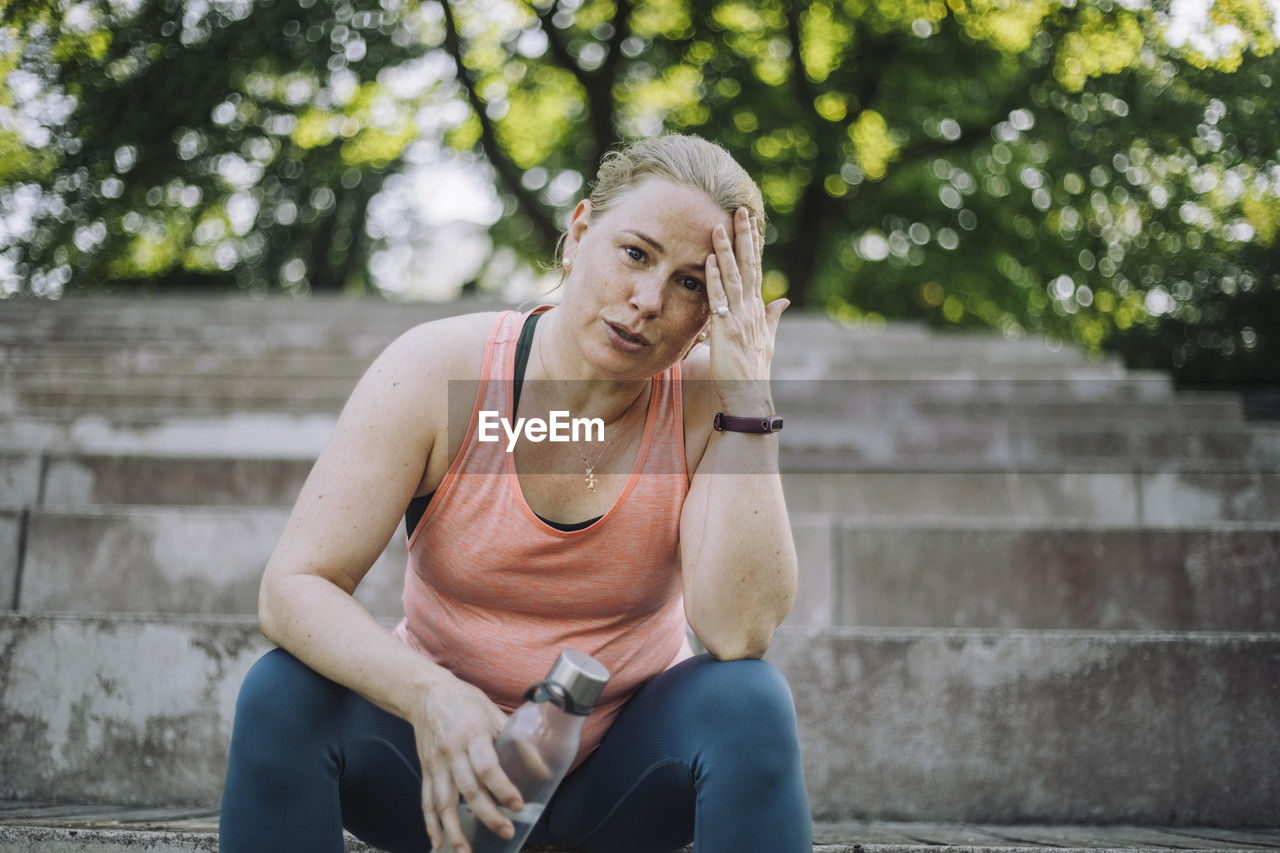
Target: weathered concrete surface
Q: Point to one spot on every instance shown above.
(24, 821)
(38, 839)
(10, 556)
(197, 321)
(212, 393)
(817, 539)
(252, 357)
(881, 391)
(169, 560)
(1114, 398)
(280, 434)
(1120, 494)
(842, 837)
(336, 321)
(1005, 727)
(1026, 444)
(84, 479)
(1101, 495)
(943, 572)
(19, 480)
(807, 442)
(979, 573)
(913, 725)
(61, 382)
(129, 710)
(1173, 496)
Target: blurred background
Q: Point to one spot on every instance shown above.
(1038, 587)
(1104, 174)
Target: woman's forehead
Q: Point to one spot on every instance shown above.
(661, 209)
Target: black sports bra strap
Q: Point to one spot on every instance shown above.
(524, 345)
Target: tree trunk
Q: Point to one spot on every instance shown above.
(798, 258)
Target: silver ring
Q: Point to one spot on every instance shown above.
(722, 311)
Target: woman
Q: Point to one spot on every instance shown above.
(607, 546)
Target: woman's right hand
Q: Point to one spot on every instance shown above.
(455, 730)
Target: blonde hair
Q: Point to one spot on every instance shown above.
(686, 160)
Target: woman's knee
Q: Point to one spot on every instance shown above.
(743, 725)
(280, 694)
(740, 697)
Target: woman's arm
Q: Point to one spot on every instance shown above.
(738, 556)
(391, 428)
(736, 547)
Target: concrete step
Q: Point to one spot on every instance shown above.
(942, 572)
(1000, 727)
(968, 573)
(199, 355)
(950, 363)
(71, 354)
(940, 443)
(1122, 494)
(1025, 444)
(162, 560)
(275, 434)
(1127, 398)
(89, 480)
(177, 393)
(119, 709)
(1040, 726)
(320, 388)
(68, 360)
(804, 333)
(320, 318)
(317, 319)
(234, 351)
(144, 347)
(872, 571)
(41, 364)
(886, 396)
(107, 829)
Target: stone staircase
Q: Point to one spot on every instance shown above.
(1040, 599)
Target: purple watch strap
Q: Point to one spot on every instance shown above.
(760, 425)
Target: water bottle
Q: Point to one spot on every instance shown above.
(538, 744)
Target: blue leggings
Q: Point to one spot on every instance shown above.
(704, 752)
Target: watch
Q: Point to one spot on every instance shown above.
(731, 423)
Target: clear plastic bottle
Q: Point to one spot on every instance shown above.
(538, 744)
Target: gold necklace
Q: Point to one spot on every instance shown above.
(590, 478)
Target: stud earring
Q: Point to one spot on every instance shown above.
(702, 336)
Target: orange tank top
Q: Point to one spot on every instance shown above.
(493, 593)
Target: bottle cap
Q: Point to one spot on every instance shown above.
(581, 676)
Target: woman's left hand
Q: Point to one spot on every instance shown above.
(742, 326)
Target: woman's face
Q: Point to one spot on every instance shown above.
(636, 291)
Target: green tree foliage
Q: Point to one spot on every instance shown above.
(229, 143)
(1040, 167)
(1045, 167)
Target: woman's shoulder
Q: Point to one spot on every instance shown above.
(447, 348)
(412, 374)
(696, 366)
